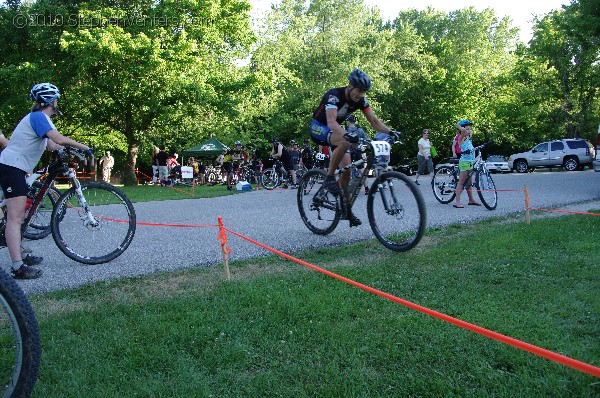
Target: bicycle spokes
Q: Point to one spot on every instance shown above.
(396, 211)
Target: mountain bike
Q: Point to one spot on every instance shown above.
(275, 176)
(92, 222)
(20, 347)
(395, 206)
(445, 180)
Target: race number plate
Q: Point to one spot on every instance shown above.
(381, 148)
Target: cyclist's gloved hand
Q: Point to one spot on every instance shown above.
(351, 137)
(396, 135)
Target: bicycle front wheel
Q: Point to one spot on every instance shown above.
(319, 209)
(100, 234)
(486, 190)
(444, 184)
(396, 211)
(270, 179)
(39, 225)
(20, 340)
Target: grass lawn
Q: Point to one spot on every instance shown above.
(279, 329)
(150, 193)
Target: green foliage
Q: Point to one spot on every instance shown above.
(136, 74)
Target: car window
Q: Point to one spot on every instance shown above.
(496, 159)
(577, 144)
(543, 147)
(557, 146)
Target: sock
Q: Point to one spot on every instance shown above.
(16, 264)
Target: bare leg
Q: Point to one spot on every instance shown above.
(16, 213)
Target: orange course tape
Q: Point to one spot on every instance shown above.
(562, 359)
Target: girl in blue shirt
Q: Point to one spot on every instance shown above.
(465, 163)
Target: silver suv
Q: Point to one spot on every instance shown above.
(572, 154)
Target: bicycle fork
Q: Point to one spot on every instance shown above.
(391, 204)
(88, 219)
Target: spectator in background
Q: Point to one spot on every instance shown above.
(161, 163)
(307, 156)
(424, 156)
(155, 151)
(201, 172)
(281, 153)
(465, 164)
(106, 162)
(295, 154)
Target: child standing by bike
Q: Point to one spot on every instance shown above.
(465, 164)
(34, 133)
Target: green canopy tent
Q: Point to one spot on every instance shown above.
(208, 149)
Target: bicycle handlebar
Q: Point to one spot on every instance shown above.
(81, 154)
(477, 148)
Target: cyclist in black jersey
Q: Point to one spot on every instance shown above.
(325, 129)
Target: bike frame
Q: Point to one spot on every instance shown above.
(53, 170)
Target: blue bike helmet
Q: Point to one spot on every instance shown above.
(465, 122)
(44, 93)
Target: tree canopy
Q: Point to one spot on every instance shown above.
(141, 73)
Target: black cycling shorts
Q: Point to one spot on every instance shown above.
(13, 181)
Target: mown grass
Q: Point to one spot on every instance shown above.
(151, 193)
(279, 329)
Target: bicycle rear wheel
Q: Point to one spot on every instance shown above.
(103, 240)
(444, 184)
(396, 211)
(486, 189)
(19, 340)
(270, 179)
(319, 209)
(39, 225)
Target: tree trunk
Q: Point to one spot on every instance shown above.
(129, 175)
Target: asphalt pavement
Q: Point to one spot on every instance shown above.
(272, 218)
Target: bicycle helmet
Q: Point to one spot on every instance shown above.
(44, 93)
(465, 122)
(275, 140)
(351, 119)
(293, 142)
(237, 143)
(359, 79)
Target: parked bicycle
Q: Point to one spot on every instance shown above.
(92, 222)
(395, 206)
(275, 176)
(20, 349)
(445, 180)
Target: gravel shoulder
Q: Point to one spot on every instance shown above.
(271, 217)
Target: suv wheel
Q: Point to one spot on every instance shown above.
(520, 166)
(571, 164)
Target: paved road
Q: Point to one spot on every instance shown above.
(271, 217)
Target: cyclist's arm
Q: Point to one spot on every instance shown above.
(374, 121)
(3, 140)
(279, 151)
(57, 140)
(332, 123)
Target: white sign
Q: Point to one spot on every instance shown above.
(187, 172)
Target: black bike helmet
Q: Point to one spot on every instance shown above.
(359, 79)
(275, 140)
